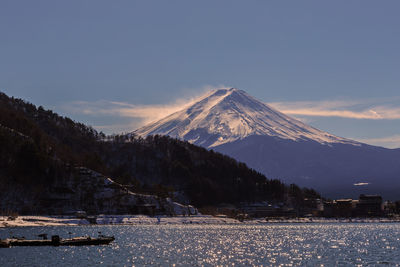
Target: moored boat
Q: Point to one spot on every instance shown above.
(57, 241)
(27, 242)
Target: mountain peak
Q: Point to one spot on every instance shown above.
(229, 114)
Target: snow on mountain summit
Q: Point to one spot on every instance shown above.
(226, 115)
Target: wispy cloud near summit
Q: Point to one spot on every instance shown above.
(140, 114)
(146, 113)
(367, 109)
(387, 141)
(116, 117)
(370, 109)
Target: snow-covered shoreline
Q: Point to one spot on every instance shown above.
(113, 220)
(22, 221)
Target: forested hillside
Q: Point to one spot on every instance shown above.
(38, 148)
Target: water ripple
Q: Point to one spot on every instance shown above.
(218, 245)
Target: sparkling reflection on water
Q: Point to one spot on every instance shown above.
(205, 245)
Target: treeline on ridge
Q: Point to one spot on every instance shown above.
(37, 145)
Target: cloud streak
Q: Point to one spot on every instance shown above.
(392, 141)
(362, 109)
(110, 112)
(146, 113)
(140, 114)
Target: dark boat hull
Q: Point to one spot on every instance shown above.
(87, 242)
(81, 241)
(30, 243)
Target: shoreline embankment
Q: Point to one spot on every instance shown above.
(24, 221)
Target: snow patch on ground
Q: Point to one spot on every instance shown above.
(166, 220)
(112, 219)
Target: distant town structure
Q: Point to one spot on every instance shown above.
(369, 205)
(365, 206)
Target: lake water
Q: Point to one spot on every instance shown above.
(328, 244)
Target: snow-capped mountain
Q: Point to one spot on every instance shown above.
(232, 122)
(227, 115)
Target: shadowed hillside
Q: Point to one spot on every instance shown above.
(232, 122)
(39, 149)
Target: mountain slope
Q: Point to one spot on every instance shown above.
(337, 170)
(227, 115)
(232, 122)
(39, 151)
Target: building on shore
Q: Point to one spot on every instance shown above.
(365, 206)
(263, 209)
(369, 206)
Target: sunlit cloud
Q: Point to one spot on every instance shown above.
(140, 114)
(387, 141)
(125, 117)
(363, 109)
(145, 112)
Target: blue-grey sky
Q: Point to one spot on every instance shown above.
(118, 64)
